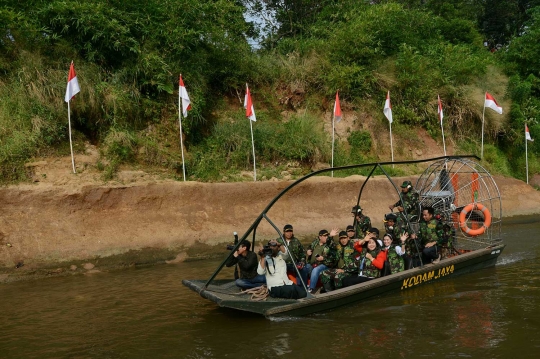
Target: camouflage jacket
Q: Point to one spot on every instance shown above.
(363, 226)
(344, 255)
(298, 253)
(396, 261)
(368, 269)
(410, 202)
(431, 231)
(328, 252)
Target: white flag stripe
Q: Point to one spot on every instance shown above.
(388, 108)
(490, 102)
(528, 134)
(73, 85)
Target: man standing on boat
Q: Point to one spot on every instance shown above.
(247, 262)
(432, 235)
(274, 268)
(407, 207)
(363, 223)
(297, 257)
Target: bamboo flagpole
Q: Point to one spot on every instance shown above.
(336, 116)
(527, 138)
(184, 105)
(489, 101)
(440, 112)
(71, 90)
(388, 113)
(250, 113)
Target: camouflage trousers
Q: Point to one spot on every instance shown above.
(333, 280)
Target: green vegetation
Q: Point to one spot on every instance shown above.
(128, 56)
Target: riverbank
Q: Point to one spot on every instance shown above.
(54, 229)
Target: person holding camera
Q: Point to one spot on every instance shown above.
(272, 265)
(247, 263)
(321, 256)
(297, 255)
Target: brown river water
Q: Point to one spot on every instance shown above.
(147, 313)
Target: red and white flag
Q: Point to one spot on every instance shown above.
(337, 109)
(248, 105)
(184, 97)
(72, 84)
(492, 104)
(527, 134)
(388, 108)
(439, 109)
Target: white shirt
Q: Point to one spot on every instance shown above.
(277, 277)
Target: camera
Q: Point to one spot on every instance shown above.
(266, 251)
(230, 247)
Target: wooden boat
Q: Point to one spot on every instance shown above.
(461, 190)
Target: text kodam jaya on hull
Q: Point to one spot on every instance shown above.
(426, 277)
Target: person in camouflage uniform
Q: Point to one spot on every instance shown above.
(321, 255)
(363, 223)
(394, 253)
(407, 207)
(297, 257)
(345, 254)
(390, 226)
(431, 234)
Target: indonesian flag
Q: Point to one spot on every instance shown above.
(439, 109)
(337, 109)
(527, 134)
(248, 105)
(492, 104)
(184, 97)
(388, 108)
(72, 84)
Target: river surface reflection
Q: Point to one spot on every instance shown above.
(147, 313)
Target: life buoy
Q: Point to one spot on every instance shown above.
(469, 208)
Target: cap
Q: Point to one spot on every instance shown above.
(343, 234)
(374, 230)
(288, 227)
(356, 209)
(406, 184)
(350, 228)
(390, 217)
(323, 232)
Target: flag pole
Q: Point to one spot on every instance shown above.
(483, 114)
(180, 123)
(526, 157)
(70, 143)
(253, 145)
(333, 125)
(391, 145)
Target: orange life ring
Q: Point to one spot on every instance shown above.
(469, 208)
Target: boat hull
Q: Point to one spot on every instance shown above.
(226, 295)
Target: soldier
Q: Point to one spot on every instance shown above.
(297, 256)
(363, 223)
(407, 207)
(390, 226)
(320, 255)
(431, 235)
(351, 233)
(394, 252)
(345, 254)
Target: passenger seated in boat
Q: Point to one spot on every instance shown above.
(351, 233)
(407, 207)
(345, 254)
(362, 243)
(297, 257)
(363, 223)
(368, 264)
(431, 235)
(394, 253)
(390, 226)
(247, 263)
(320, 256)
(274, 268)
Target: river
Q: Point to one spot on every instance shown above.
(147, 313)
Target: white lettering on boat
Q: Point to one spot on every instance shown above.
(426, 277)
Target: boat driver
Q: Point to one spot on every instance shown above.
(274, 268)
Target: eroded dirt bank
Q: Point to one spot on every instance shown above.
(63, 226)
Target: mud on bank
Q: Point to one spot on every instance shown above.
(47, 230)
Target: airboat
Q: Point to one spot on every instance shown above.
(458, 188)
